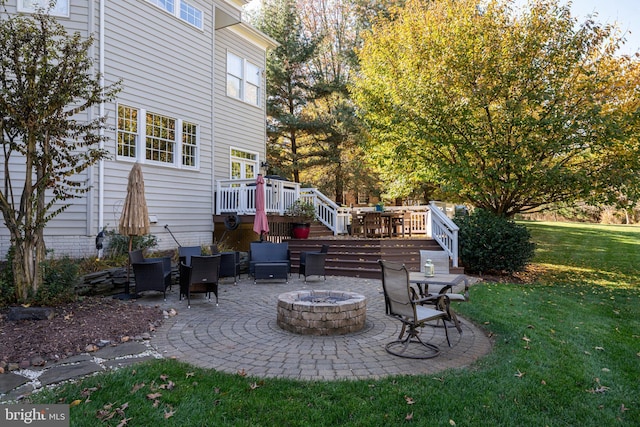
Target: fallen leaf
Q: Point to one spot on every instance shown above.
(75, 402)
(526, 339)
(409, 417)
(519, 374)
(124, 422)
(543, 382)
(600, 348)
(190, 374)
(136, 387)
(169, 414)
(253, 386)
(153, 396)
(168, 386)
(164, 377)
(453, 423)
(409, 400)
(623, 408)
(242, 372)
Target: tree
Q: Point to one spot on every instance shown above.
(510, 110)
(46, 86)
(288, 83)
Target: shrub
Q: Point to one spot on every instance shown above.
(118, 245)
(493, 244)
(7, 290)
(59, 278)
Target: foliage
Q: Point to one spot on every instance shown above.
(117, 245)
(46, 88)
(288, 82)
(7, 290)
(490, 243)
(565, 353)
(59, 278)
(302, 210)
(509, 111)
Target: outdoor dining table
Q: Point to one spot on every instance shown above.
(440, 283)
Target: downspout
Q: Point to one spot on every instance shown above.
(101, 111)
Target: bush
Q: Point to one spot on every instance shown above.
(7, 290)
(118, 245)
(493, 244)
(59, 278)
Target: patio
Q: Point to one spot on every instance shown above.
(241, 335)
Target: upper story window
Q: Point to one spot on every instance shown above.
(167, 140)
(244, 79)
(61, 7)
(184, 10)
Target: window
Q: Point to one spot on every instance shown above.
(184, 11)
(127, 131)
(243, 164)
(168, 141)
(161, 136)
(189, 144)
(61, 7)
(244, 79)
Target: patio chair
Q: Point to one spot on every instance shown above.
(186, 252)
(312, 263)
(357, 224)
(230, 265)
(137, 257)
(200, 277)
(440, 260)
(401, 303)
(149, 276)
(373, 226)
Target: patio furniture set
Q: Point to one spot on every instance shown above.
(416, 299)
(380, 224)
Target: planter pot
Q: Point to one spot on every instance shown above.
(300, 230)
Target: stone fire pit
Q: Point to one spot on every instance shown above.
(321, 312)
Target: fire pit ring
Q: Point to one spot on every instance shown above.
(322, 312)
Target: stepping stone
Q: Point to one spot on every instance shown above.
(10, 381)
(61, 373)
(121, 350)
(120, 363)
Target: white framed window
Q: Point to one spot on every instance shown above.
(61, 7)
(184, 10)
(167, 140)
(244, 164)
(244, 80)
(189, 144)
(127, 134)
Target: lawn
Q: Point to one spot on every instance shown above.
(567, 353)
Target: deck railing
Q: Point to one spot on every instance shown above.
(239, 196)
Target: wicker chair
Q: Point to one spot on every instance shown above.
(200, 277)
(312, 263)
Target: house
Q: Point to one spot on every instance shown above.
(192, 112)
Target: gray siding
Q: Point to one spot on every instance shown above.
(171, 68)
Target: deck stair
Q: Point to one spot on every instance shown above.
(359, 257)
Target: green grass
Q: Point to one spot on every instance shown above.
(567, 353)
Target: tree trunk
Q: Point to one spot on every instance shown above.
(25, 268)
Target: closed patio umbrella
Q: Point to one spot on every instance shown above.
(134, 220)
(260, 223)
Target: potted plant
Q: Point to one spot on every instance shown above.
(302, 214)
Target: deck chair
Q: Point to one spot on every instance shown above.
(200, 277)
(440, 260)
(137, 257)
(186, 252)
(402, 304)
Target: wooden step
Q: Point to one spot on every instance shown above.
(356, 257)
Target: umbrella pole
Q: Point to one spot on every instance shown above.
(127, 287)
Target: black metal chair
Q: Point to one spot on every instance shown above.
(402, 303)
(149, 276)
(313, 263)
(200, 277)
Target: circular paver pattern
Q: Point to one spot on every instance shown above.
(241, 335)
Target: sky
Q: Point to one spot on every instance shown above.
(625, 12)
